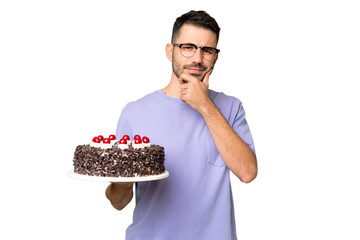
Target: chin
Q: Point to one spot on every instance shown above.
(196, 74)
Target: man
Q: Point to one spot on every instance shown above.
(204, 134)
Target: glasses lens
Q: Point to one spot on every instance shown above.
(208, 53)
(188, 50)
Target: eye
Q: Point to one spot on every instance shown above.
(208, 50)
(188, 47)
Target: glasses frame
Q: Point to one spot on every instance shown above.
(196, 48)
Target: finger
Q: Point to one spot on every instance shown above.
(183, 97)
(183, 92)
(185, 78)
(184, 86)
(206, 77)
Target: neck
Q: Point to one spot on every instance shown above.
(173, 88)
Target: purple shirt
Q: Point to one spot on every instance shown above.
(195, 201)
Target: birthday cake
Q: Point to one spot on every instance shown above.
(107, 157)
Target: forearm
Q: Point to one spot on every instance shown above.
(119, 194)
(236, 154)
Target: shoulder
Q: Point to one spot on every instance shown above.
(230, 107)
(222, 100)
(142, 103)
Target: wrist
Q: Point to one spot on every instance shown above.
(207, 108)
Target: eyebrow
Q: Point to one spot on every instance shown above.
(197, 45)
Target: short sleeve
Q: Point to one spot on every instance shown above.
(240, 125)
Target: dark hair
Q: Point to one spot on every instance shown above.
(196, 18)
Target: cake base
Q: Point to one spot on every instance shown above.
(72, 174)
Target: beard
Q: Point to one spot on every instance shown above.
(178, 69)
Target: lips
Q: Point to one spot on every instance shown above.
(194, 70)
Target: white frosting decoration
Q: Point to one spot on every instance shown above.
(106, 146)
(112, 142)
(128, 142)
(138, 145)
(123, 146)
(94, 144)
(147, 144)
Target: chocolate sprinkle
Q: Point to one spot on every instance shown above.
(115, 162)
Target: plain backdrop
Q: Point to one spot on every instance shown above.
(67, 68)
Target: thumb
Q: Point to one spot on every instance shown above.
(206, 77)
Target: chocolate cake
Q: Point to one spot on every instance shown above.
(106, 157)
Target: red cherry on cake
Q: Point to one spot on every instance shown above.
(96, 140)
(112, 137)
(123, 141)
(138, 141)
(126, 137)
(137, 137)
(106, 141)
(145, 139)
(101, 138)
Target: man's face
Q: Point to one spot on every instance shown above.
(195, 65)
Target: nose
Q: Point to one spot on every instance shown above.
(197, 56)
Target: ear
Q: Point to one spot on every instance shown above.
(169, 51)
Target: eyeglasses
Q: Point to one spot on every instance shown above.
(189, 50)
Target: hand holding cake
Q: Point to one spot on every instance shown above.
(119, 194)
